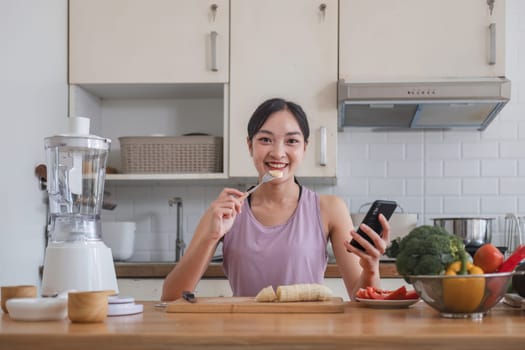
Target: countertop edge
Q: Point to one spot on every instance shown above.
(387, 269)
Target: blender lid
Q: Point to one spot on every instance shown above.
(87, 141)
(78, 136)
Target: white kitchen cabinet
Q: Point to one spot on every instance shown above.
(150, 67)
(285, 49)
(382, 40)
(148, 41)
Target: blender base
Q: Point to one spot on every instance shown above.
(79, 265)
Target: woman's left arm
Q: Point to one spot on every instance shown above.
(360, 269)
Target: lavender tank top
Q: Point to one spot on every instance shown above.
(256, 256)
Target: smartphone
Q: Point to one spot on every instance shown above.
(371, 219)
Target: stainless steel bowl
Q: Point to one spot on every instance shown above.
(474, 231)
(462, 296)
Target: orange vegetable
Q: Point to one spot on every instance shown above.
(463, 295)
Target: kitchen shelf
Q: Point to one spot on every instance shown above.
(190, 176)
(148, 179)
(156, 91)
(204, 178)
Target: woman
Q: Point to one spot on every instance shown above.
(278, 234)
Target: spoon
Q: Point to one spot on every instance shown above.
(269, 176)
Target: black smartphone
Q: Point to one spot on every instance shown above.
(371, 219)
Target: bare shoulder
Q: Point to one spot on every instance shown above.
(331, 203)
(334, 212)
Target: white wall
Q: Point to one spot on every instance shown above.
(33, 104)
(435, 174)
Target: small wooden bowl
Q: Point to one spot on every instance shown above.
(11, 292)
(88, 307)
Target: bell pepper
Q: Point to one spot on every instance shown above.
(512, 261)
(463, 295)
(495, 286)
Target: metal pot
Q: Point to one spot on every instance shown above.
(474, 231)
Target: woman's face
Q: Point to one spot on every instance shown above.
(278, 145)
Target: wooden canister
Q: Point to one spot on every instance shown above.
(22, 291)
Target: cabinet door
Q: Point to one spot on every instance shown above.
(284, 48)
(148, 41)
(414, 39)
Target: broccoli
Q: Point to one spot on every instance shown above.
(426, 250)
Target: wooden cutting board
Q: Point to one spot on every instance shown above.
(249, 305)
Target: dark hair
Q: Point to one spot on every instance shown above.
(273, 105)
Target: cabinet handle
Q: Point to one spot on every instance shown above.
(322, 161)
(213, 42)
(490, 3)
(322, 8)
(213, 9)
(492, 46)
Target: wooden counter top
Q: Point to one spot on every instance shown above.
(160, 270)
(418, 327)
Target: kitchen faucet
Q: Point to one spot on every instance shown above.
(179, 241)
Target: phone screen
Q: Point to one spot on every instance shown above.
(371, 219)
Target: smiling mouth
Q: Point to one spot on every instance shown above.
(276, 166)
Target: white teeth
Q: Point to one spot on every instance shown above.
(278, 166)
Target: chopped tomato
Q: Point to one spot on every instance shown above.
(411, 294)
(380, 294)
(362, 293)
(375, 293)
(397, 294)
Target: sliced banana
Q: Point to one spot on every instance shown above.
(295, 292)
(276, 173)
(266, 294)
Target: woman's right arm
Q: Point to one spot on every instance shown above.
(216, 221)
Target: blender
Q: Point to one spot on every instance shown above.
(76, 258)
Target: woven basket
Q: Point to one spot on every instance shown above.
(171, 154)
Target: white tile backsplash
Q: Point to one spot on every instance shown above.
(414, 187)
(433, 168)
(387, 187)
(498, 204)
(479, 186)
(372, 168)
(512, 149)
(462, 206)
(463, 168)
(440, 151)
(442, 186)
(521, 167)
(500, 130)
(433, 206)
(432, 173)
(513, 186)
(480, 150)
(404, 168)
(392, 151)
(499, 167)
(414, 151)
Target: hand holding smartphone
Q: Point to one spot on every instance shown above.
(371, 219)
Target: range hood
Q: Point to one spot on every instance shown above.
(461, 104)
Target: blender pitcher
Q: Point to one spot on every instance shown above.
(76, 257)
(514, 231)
